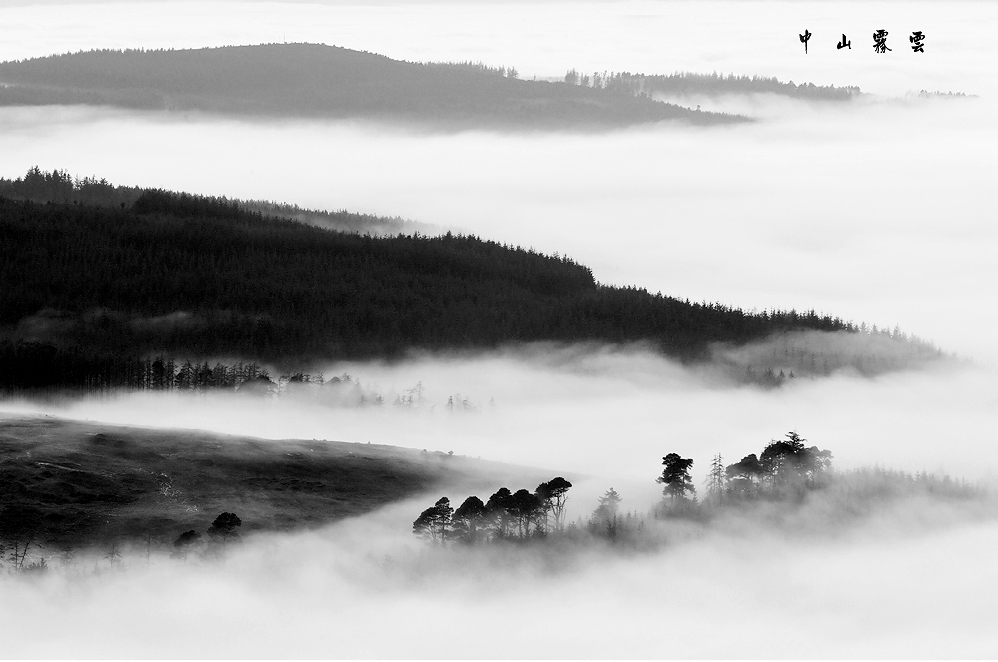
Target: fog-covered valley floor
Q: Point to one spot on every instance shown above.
(879, 210)
(909, 579)
(606, 412)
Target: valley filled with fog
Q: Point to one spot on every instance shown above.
(905, 583)
(876, 210)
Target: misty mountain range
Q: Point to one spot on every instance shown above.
(318, 81)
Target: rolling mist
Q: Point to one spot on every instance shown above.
(876, 210)
(605, 412)
(883, 585)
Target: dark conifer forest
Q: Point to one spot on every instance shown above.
(103, 283)
(318, 81)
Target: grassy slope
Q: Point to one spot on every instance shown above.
(88, 483)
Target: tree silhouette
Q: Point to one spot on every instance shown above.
(744, 475)
(526, 509)
(469, 520)
(609, 504)
(604, 519)
(676, 478)
(223, 529)
(20, 527)
(499, 507)
(433, 522)
(553, 496)
(790, 463)
(716, 480)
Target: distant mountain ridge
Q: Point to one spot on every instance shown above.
(318, 81)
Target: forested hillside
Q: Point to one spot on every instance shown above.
(195, 276)
(60, 186)
(317, 81)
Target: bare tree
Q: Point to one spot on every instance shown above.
(716, 480)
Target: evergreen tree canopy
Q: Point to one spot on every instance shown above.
(192, 275)
(676, 477)
(224, 527)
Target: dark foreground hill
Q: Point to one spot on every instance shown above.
(191, 276)
(318, 81)
(69, 483)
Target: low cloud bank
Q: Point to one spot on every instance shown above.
(772, 582)
(600, 411)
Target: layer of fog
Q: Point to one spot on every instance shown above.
(882, 586)
(608, 414)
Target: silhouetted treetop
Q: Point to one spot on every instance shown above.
(224, 527)
(676, 477)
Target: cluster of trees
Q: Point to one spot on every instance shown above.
(314, 80)
(189, 275)
(29, 366)
(18, 537)
(19, 532)
(925, 94)
(870, 351)
(340, 220)
(685, 83)
(60, 186)
(479, 67)
(505, 516)
(222, 532)
(786, 467)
